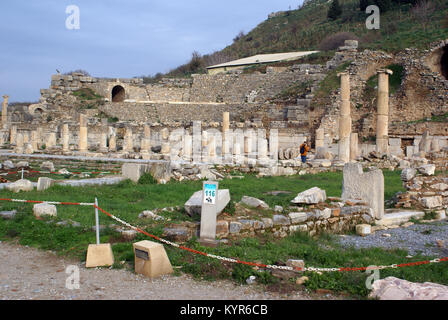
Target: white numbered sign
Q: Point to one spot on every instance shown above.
(210, 191)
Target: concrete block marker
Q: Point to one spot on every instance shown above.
(208, 213)
(99, 255)
(151, 259)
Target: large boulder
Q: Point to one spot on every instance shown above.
(20, 185)
(194, 205)
(254, 202)
(44, 209)
(311, 196)
(392, 288)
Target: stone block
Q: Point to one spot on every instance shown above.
(366, 186)
(254, 202)
(312, 196)
(427, 170)
(280, 220)
(100, 255)
(44, 209)
(7, 215)
(47, 166)
(363, 229)
(133, 171)
(20, 185)
(298, 217)
(408, 174)
(151, 259)
(432, 202)
(44, 183)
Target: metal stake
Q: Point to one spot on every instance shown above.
(97, 222)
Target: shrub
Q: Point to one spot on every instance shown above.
(334, 41)
(335, 10)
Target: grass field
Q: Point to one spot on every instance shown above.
(126, 200)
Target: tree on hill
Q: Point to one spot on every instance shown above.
(335, 10)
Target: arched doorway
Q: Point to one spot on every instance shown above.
(444, 62)
(118, 94)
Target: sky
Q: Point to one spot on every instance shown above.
(115, 38)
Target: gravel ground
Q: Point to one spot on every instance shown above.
(29, 273)
(418, 238)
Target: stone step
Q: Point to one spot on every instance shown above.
(395, 217)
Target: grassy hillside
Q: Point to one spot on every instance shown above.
(309, 28)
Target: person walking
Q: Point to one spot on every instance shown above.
(304, 148)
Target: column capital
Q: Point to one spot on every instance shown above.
(5, 96)
(388, 71)
(344, 73)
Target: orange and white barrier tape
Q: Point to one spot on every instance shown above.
(232, 260)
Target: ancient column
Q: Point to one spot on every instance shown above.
(382, 122)
(345, 121)
(34, 140)
(128, 145)
(147, 131)
(103, 142)
(354, 146)
(320, 136)
(51, 142)
(5, 111)
(212, 146)
(65, 138)
(19, 143)
(83, 147)
(12, 135)
(188, 143)
(145, 146)
(273, 144)
(225, 121)
(113, 142)
(197, 141)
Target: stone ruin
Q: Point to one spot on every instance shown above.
(210, 119)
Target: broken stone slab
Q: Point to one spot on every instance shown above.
(7, 215)
(150, 215)
(44, 183)
(408, 174)
(312, 196)
(392, 218)
(20, 185)
(176, 234)
(254, 202)
(47, 166)
(427, 169)
(392, 288)
(44, 209)
(194, 205)
(23, 164)
(298, 217)
(367, 186)
(432, 202)
(8, 164)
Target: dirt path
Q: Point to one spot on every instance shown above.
(29, 273)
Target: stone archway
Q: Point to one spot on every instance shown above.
(437, 61)
(118, 94)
